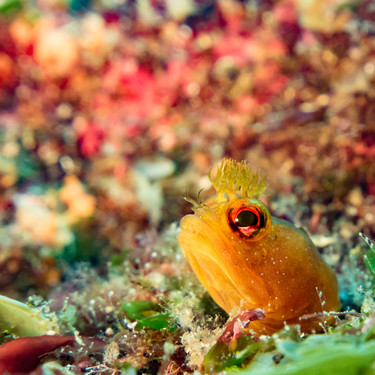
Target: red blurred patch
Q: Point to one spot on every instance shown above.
(90, 139)
(24, 354)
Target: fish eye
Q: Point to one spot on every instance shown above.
(249, 218)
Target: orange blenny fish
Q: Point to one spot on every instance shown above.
(248, 259)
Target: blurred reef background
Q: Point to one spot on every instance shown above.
(112, 111)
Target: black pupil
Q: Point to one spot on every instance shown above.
(246, 219)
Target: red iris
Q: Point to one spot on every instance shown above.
(249, 218)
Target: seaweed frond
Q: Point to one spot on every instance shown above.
(239, 178)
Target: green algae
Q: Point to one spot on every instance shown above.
(346, 351)
(19, 319)
(328, 354)
(148, 314)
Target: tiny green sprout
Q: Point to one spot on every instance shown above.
(369, 257)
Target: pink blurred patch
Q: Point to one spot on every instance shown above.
(90, 139)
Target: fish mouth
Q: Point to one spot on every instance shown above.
(214, 261)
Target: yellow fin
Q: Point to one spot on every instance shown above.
(237, 177)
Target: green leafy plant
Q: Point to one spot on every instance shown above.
(148, 314)
(369, 257)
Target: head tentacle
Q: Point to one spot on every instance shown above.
(238, 178)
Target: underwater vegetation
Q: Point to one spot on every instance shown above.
(111, 112)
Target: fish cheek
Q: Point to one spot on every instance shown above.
(250, 258)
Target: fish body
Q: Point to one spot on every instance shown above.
(248, 259)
